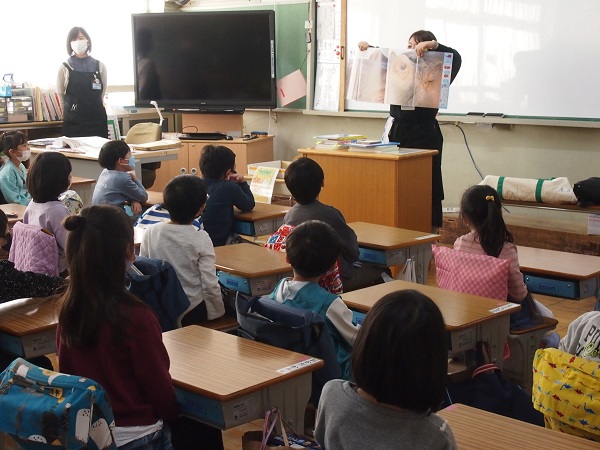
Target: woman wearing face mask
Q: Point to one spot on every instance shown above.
(14, 146)
(81, 85)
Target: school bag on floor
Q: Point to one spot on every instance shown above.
(42, 409)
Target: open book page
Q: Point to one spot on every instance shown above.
(263, 182)
(86, 141)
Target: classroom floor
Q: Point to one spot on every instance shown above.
(565, 311)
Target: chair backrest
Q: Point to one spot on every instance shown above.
(266, 320)
(33, 249)
(331, 281)
(470, 273)
(158, 286)
(42, 409)
(142, 133)
(566, 389)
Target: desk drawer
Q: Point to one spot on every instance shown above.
(560, 287)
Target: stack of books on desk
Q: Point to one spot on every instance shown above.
(336, 141)
(370, 146)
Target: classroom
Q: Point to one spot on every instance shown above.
(532, 117)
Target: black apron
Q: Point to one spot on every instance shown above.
(84, 113)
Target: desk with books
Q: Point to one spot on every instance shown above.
(225, 380)
(382, 188)
(391, 246)
(14, 212)
(250, 269)
(468, 318)
(28, 326)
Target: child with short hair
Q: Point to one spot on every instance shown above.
(226, 189)
(13, 144)
(400, 366)
(481, 212)
(188, 250)
(304, 178)
(49, 176)
(312, 248)
(118, 183)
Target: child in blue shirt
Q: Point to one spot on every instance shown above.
(226, 189)
(13, 173)
(312, 248)
(117, 183)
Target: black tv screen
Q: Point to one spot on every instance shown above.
(205, 61)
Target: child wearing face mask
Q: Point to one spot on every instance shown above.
(15, 148)
(117, 183)
(81, 85)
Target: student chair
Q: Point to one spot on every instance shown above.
(42, 409)
(265, 320)
(33, 249)
(566, 389)
(142, 133)
(487, 276)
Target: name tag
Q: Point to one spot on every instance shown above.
(97, 86)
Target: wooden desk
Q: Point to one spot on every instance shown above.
(28, 326)
(250, 269)
(468, 318)
(86, 165)
(380, 188)
(225, 381)
(391, 246)
(262, 220)
(475, 429)
(14, 208)
(84, 187)
(561, 274)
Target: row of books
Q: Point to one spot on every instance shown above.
(46, 105)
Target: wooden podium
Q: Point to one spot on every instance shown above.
(380, 188)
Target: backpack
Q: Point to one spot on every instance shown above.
(587, 191)
(46, 409)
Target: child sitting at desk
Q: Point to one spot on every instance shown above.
(49, 176)
(399, 362)
(304, 178)
(312, 249)
(117, 183)
(481, 212)
(110, 336)
(13, 144)
(226, 189)
(188, 250)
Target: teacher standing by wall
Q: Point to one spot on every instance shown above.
(417, 127)
(81, 84)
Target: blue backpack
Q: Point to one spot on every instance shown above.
(42, 409)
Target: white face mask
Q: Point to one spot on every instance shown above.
(79, 46)
(25, 157)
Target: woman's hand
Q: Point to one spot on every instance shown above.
(363, 45)
(425, 46)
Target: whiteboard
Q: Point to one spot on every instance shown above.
(519, 57)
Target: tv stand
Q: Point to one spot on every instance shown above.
(213, 124)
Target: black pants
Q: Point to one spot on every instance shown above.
(425, 135)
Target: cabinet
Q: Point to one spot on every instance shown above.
(256, 150)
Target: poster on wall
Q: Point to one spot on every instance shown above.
(399, 77)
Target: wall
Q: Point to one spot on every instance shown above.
(512, 150)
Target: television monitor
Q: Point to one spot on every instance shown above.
(217, 61)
